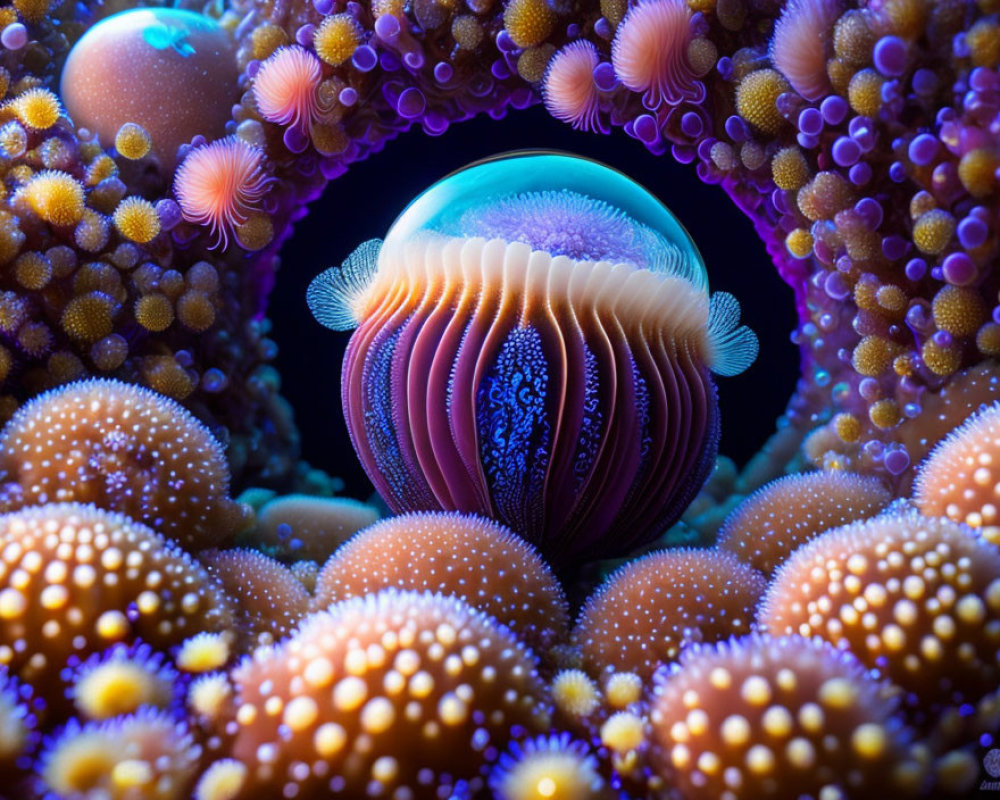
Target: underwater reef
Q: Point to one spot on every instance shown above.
(573, 594)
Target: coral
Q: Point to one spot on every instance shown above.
(386, 688)
(148, 755)
(221, 781)
(528, 22)
(468, 557)
(495, 332)
(548, 766)
(137, 220)
(957, 480)
(310, 528)
(649, 53)
(120, 680)
(916, 598)
(943, 411)
(337, 38)
(574, 693)
(756, 99)
(126, 69)
(643, 614)
(569, 89)
(220, 184)
(123, 448)
(270, 601)
(800, 42)
(777, 717)
(56, 197)
(769, 525)
(623, 689)
(204, 652)
(75, 579)
(36, 108)
(286, 88)
(132, 141)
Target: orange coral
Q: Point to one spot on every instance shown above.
(766, 527)
(383, 691)
(649, 608)
(75, 579)
(123, 448)
(456, 555)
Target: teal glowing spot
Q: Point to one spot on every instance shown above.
(162, 36)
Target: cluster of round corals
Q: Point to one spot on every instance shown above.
(432, 654)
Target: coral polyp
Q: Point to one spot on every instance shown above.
(569, 89)
(649, 53)
(121, 680)
(220, 184)
(147, 755)
(553, 766)
(498, 352)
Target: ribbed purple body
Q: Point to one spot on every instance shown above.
(586, 433)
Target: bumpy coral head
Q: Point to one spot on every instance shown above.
(124, 448)
(171, 71)
(534, 343)
(395, 694)
(75, 580)
(764, 717)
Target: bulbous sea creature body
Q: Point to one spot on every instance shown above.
(169, 70)
(534, 344)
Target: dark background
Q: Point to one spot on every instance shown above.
(363, 204)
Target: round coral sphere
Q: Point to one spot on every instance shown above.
(765, 528)
(465, 556)
(310, 528)
(270, 601)
(916, 597)
(123, 448)
(397, 693)
(75, 579)
(647, 610)
(171, 71)
(961, 477)
(763, 717)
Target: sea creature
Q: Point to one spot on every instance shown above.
(534, 343)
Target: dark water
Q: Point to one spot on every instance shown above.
(363, 204)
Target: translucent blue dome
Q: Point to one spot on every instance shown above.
(559, 203)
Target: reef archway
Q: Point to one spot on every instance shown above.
(309, 358)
